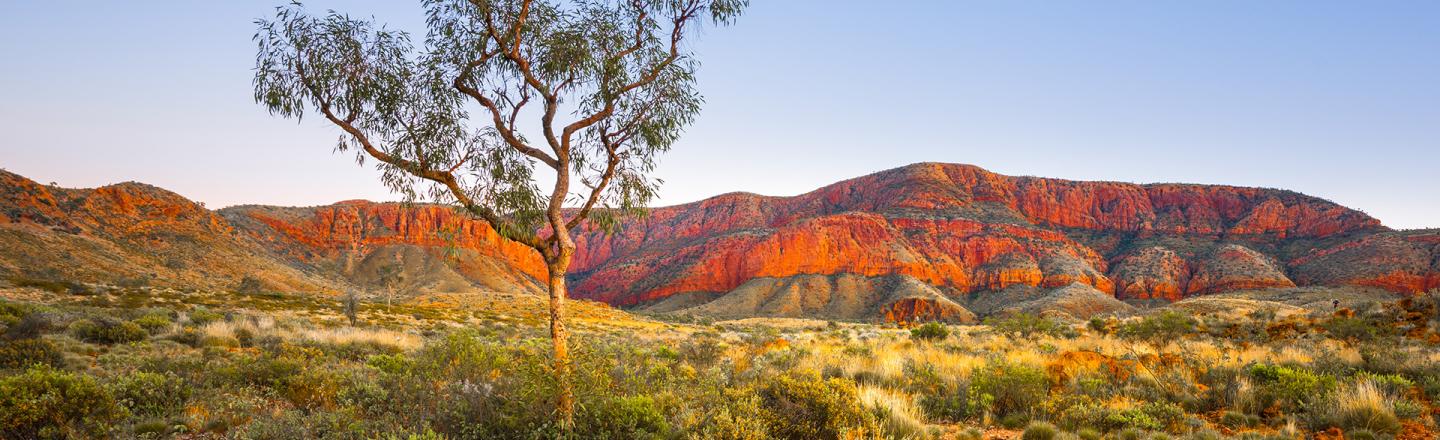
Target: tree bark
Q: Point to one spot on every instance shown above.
(560, 338)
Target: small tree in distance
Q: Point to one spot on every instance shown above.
(618, 68)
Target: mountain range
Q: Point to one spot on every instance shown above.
(928, 241)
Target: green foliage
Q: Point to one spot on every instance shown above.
(1351, 329)
(200, 316)
(46, 403)
(154, 323)
(930, 331)
(1290, 388)
(1005, 388)
(107, 331)
(807, 407)
(619, 68)
(24, 353)
(624, 418)
(1040, 431)
(1159, 329)
(1027, 325)
(150, 394)
(702, 349)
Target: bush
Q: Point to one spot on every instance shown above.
(201, 316)
(1007, 388)
(47, 403)
(1351, 330)
(801, 406)
(1160, 329)
(1040, 431)
(1290, 388)
(1027, 325)
(27, 352)
(624, 418)
(107, 331)
(154, 323)
(702, 350)
(931, 331)
(30, 326)
(150, 394)
(1361, 406)
(1088, 434)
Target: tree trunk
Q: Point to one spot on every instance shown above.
(560, 338)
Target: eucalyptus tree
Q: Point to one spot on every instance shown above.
(503, 98)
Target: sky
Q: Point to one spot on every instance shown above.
(1336, 99)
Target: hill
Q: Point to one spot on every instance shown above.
(921, 242)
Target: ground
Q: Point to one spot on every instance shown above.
(156, 363)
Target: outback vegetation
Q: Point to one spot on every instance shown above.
(156, 363)
(621, 70)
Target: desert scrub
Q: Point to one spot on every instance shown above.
(1360, 406)
(1028, 326)
(155, 323)
(931, 331)
(1004, 388)
(107, 330)
(1289, 388)
(24, 353)
(1160, 329)
(1040, 431)
(150, 394)
(804, 406)
(46, 403)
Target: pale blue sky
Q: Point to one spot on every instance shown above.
(1338, 99)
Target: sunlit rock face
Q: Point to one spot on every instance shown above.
(967, 231)
(860, 248)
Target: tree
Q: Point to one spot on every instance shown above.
(619, 68)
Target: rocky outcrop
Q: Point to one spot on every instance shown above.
(1235, 267)
(966, 231)
(1152, 273)
(921, 242)
(130, 234)
(431, 247)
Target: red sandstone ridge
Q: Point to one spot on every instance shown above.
(438, 247)
(968, 231)
(127, 233)
(926, 241)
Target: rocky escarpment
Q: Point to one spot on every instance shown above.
(128, 233)
(965, 231)
(922, 242)
(421, 247)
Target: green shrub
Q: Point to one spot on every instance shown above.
(1089, 434)
(1130, 434)
(1027, 325)
(1160, 329)
(1290, 388)
(1407, 409)
(702, 349)
(1040, 431)
(803, 406)
(24, 353)
(930, 331)
(1361, 434)
(47, 403)
(1005, 388)
(1234, 419)
(150, 394)
(1352, 330)
(971, 433)
(107, 331)
(624, 418)
(201, 316)
(154, 323)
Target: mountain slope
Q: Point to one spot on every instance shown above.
(967, 231)
(921, 242)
